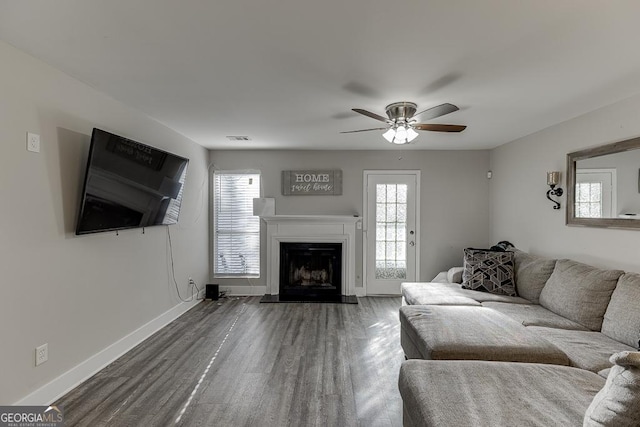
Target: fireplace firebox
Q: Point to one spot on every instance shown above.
(310, 271)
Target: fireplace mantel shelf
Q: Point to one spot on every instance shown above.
(311, 218)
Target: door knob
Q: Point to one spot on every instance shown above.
(412, 243)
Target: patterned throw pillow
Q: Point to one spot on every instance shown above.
(488, 271)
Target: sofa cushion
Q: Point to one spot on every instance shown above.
(579, 292)
(488, 271)
(435, 294)
(421, 293)
(531, 274)
(618, 403)
(486, 296)
(622, 318)
(586, 349)
(468, 332)
(534, 315)
(479, 393)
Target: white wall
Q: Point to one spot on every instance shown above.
(520, 211)
(78, 294)
(454, 195)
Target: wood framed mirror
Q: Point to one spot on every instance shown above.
(603, 186)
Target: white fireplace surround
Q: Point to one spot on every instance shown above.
(311, 229)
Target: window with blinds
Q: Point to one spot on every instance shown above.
(236, 229)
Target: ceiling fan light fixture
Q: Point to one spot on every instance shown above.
(411, 134)
(400, 134)
(390, 134)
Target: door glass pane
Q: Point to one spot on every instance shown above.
(401, 192)
(391, 212)
(391, 216)
(380, 251)
(381, 193)
(391, 194)
(391, 234)
(589, 200)
(390, 253)
(380, 213)
(402, 213)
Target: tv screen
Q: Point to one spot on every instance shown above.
(129, 184)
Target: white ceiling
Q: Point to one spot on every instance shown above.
(286, 73)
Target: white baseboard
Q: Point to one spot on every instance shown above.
(361, 292)
(57, 388)
(245, 291)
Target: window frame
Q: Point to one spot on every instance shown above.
(214, 229)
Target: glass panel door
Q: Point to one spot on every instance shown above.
(391, 231)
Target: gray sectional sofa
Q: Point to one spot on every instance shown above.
(562, 329)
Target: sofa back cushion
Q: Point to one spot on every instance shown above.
(579, 292)
(531, 274)
(622, 318)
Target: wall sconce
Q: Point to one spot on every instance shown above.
(553, 179)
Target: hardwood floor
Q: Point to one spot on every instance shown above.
(237, 362)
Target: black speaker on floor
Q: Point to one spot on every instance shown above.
(211, 292)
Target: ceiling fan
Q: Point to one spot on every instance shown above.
(402, 125)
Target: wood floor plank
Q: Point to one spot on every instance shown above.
(237, 362)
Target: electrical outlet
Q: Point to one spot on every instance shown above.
(42, 354)
(33, 142)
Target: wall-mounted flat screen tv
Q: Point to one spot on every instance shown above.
(129, 184)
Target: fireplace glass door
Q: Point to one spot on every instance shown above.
(310, 270)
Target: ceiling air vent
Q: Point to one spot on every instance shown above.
(238, 138)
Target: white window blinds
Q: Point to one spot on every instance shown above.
(236, 230)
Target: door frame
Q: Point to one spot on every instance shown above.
(365, 217)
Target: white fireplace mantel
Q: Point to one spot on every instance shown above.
(315, 229)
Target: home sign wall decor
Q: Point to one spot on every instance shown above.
(312, 182)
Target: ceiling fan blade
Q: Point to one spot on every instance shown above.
(364, 130)
(437, 111)
(370, 114)
(439, 128)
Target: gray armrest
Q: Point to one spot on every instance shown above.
(441, 278)
(454, 275)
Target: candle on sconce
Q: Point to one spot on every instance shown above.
(553, 178)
